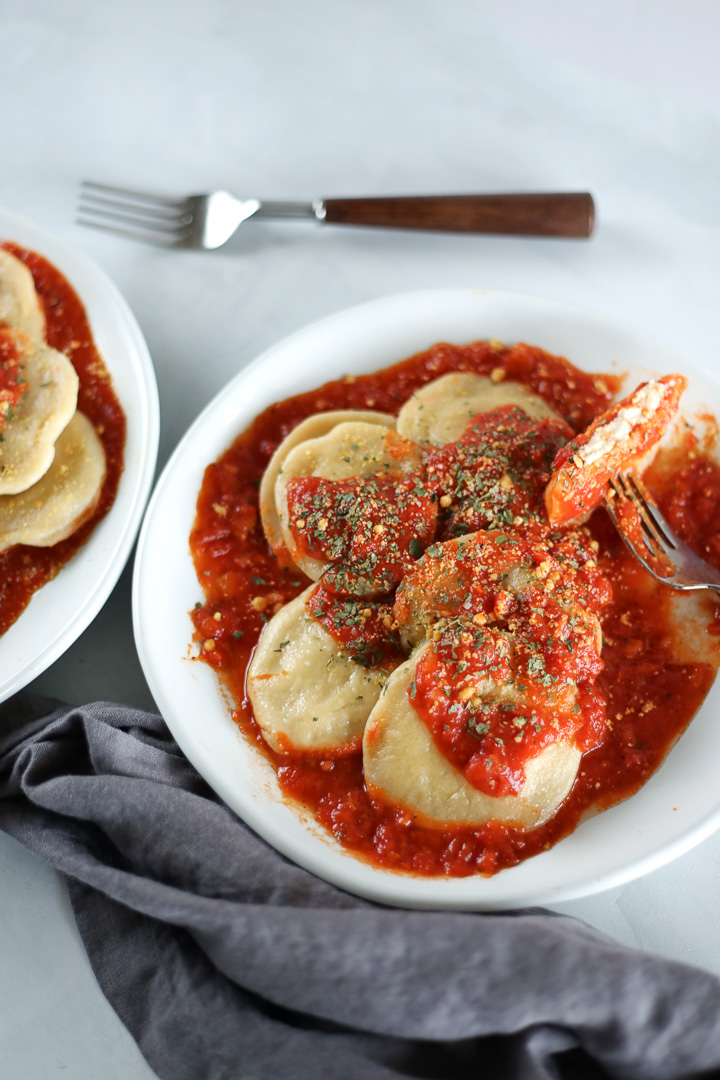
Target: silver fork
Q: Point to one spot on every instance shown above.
(683, 568)
(208, 221)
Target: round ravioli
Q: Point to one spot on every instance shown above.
(402, 766)
(440, 412)
(19, 303)
(440, 585)
(487, 576)
(30, 428)
(313, 427)
(64, 497)
(349, 450)
(305, 693)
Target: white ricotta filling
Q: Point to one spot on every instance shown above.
(643, 405)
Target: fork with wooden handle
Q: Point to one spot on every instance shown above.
(206, 222)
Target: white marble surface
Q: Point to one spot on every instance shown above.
(282, 99)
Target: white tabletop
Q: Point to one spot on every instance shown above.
(301, 100)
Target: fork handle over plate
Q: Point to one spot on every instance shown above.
(571, 214)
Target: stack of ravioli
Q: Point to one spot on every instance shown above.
(52, 463)
(310, 694)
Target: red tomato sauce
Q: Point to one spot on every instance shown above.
(363, 528)
(495, 447)
(363, 627)
(24, 569)
(650, 697)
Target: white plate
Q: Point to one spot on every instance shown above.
(59, 612)
(677, 808)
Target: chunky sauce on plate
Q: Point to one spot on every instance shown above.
(25, 569)
(650, 695)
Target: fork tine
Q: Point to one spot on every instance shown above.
(132, 193)
(178, 229)
(145, 236)
(646, 510)
(623, 489)
(653, 511)
(653, 546)
(101, 204)
(137, 215)
(626, 538)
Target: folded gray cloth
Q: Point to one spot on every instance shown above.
(225, 960)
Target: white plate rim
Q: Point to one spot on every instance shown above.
(86, 581)
(534, 881)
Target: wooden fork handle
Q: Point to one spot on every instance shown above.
(570, 214)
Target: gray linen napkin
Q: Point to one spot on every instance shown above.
(225, 960)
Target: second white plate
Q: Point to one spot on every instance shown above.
(59, 612)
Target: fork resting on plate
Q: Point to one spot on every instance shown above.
(206, 222)
(647, 534)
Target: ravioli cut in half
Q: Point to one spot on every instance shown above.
(305, 694)
(29, 432)
(54, 507)
(613, 441)
(403, 767)
(313, 427)
(20, 305)
(439, 412)
(348, 450)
